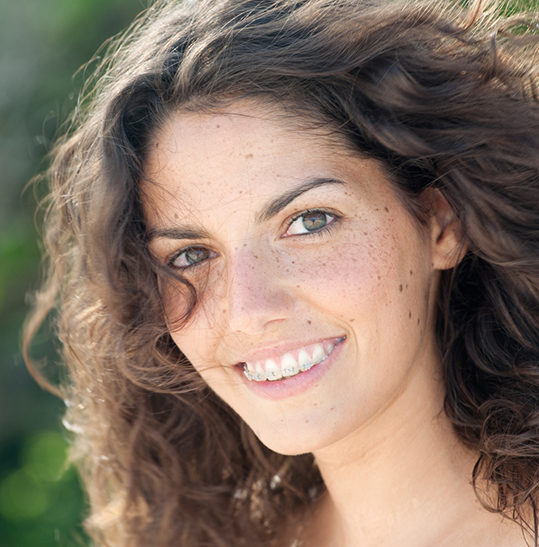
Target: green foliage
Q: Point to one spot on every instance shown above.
(41, 498)
(43, 43)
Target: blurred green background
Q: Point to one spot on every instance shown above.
(42, 45)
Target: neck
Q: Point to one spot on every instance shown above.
(402, 479)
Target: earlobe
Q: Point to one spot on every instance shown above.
(447, 238)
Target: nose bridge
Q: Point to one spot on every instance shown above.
(256, 292)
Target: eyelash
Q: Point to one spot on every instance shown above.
(320, 232)
(175, 256)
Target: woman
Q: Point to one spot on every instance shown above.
(293, 246)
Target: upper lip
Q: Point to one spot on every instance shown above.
(272, 351)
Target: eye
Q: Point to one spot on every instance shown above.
(191, 256)
(309, 222)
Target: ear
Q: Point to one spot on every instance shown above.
(447, 241)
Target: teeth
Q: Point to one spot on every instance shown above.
(260, 373)
(289, 366)
(273, 372)
(290, 371)
(304, 361)
(269, 370)
(318, 353)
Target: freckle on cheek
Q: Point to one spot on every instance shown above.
(400, 288)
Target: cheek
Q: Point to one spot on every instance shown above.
(199, 346)
(362, 268)
(195, 337)
(380, 279)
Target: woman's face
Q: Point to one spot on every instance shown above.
(309, 269)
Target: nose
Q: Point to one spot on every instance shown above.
(257, 292)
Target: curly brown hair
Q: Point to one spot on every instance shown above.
(443, 97)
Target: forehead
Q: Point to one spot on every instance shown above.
(201, 160)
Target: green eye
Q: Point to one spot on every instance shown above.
(191, 257)
(309, 222)
(314, 221)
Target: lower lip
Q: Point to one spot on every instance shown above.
(295, 385)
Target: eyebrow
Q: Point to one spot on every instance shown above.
(176, 233)
(269, 211)
(278, 204)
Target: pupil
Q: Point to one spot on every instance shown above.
(314, 221)
(195, 255)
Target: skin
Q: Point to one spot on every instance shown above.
(395, 472)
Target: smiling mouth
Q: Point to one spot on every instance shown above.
(290, 363)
